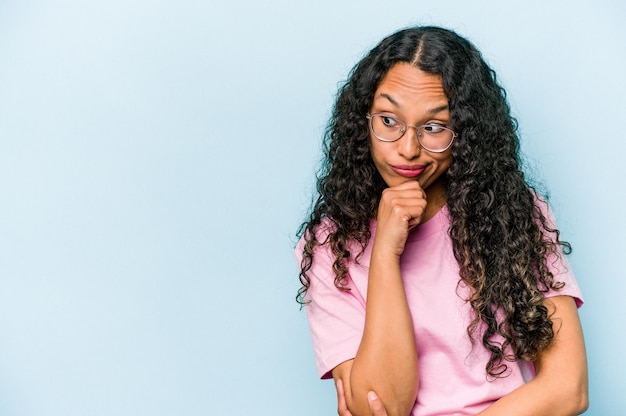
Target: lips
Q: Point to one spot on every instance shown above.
(408, 171)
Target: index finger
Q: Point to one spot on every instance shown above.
(342, 406)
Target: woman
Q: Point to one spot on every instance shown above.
(431, 272)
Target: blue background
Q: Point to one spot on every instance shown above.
(157, 157)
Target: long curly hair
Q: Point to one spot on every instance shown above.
(500, 237)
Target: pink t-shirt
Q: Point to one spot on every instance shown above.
(453, 379)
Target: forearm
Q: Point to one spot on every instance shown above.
(386, 361)
(560, 387)
(538, 398)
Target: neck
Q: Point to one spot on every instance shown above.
(436, 195)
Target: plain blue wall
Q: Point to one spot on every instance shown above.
(157, 157)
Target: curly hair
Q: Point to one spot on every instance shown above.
(500, 236)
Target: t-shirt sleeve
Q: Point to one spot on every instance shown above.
(336, 317)
(559, 265)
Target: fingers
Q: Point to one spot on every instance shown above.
(400, 209)
(376, 406)
(342, 406)
(405, 202)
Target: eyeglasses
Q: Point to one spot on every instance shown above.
(431, 136)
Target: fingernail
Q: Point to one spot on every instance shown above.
(372, 396)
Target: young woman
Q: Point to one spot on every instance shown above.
(432, 274)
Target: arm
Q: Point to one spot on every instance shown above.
(560, 386)
(376, 406)
(386, 361)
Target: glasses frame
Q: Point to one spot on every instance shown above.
(404, 130)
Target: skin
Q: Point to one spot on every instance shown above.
(415, 97)
(386, 361)
(375, 405)
(560, 386)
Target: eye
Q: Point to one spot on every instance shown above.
(389, 121)
(434, 128)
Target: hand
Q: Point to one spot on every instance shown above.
(400, 209)
(376, 406)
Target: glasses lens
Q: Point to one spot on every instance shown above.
(387, 128)
(435, 137)
(432, 136)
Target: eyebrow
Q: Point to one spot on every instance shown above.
(396, 104)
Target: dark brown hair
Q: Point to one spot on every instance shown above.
(500, 237)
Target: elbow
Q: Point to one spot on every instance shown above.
(576, 399)
(395, 404)
(399, 399)
(397, 410)
(400, 409)
(566, 397)
(359, 406)
(396, 393)
(399, 406)
(581, 395)
(579, 405)
(582, 401)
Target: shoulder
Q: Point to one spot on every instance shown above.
(542, 205)
(315, 241)
(320, 233)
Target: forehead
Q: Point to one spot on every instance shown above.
(406, 84)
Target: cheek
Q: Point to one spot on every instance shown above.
(376, 152)
(445, 161)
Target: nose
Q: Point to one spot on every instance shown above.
(409, 146)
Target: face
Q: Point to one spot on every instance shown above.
(417, 98)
